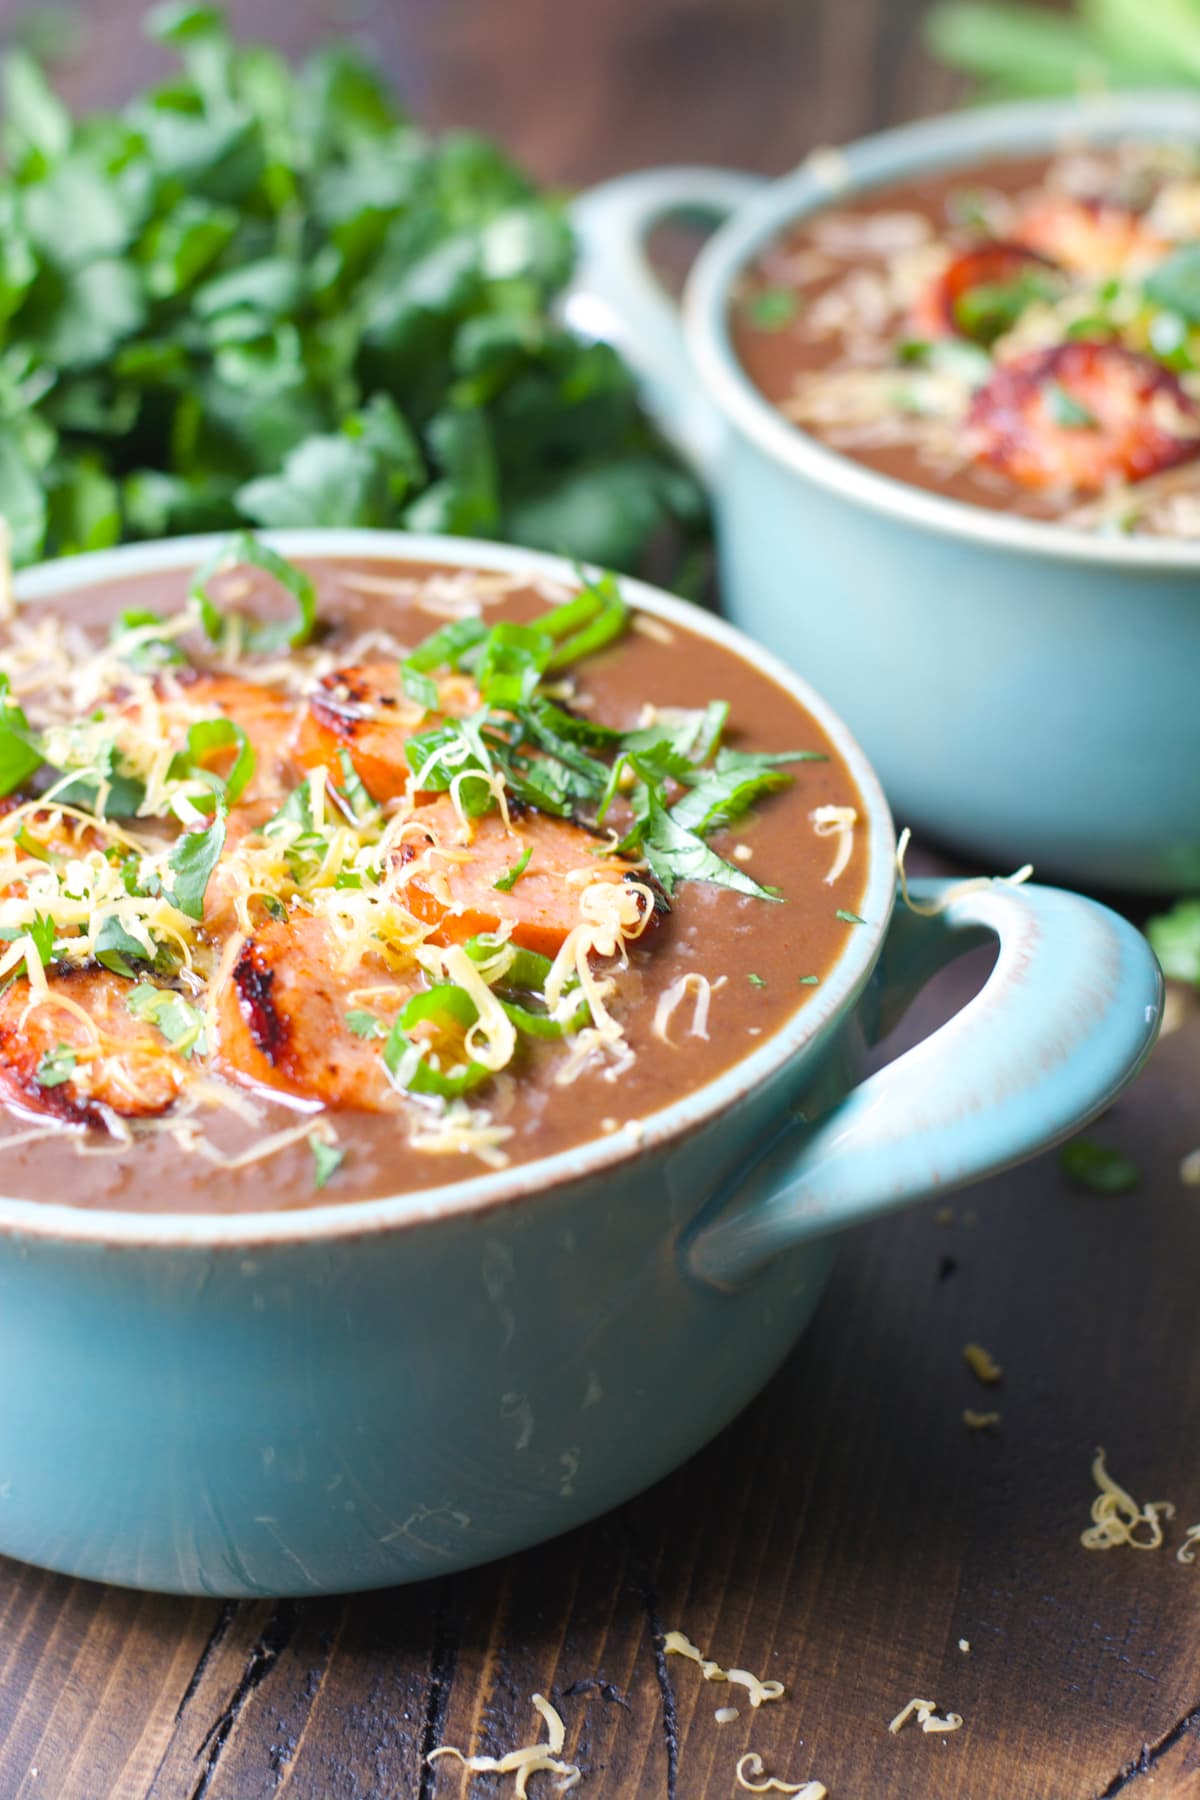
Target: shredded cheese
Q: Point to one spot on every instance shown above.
(979, 1421)
(725, 1715)
(676, 1644)
(839, 822)
(691, 984)
(531, 1759)
(1117, 1517)
(926, 1714)
(975, 884)
(752, 1764)
(1186, 1552)
(982, 1364)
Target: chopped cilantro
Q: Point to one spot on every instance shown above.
(273, 635)
(364, 1024)
(180, 1023)
(1065, 410)
(1175, 940)
(506, 883)
(772, 308)
(849, 918)
(1094, 1166)
(19, 756)
(114, 946)
(56, 1066)
(1175, 283)
(327, 1160)
(756, 981)
(192, 860)
(809, 980)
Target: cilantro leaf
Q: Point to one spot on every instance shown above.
(180, 1023)
(275, 635)
(114, 946)
(56, 1066)
(327, 1160)
(508, 881)
(1175, 940)
(364, 1024)
(1094, 1166)
(19, 758)
(676, 854)
(192, 860)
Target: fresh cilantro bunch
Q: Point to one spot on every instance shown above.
(1023, 49)
(260, 295)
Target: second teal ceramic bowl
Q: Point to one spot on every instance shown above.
(1026, 691)
(355, 1395)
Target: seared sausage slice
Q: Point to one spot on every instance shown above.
(281, 1018)
(1083, 416)
(998, 265)
(364, 713)
(1089, 236)
(120, 1062)
(453, 887)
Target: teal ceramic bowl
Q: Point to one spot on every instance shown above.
(355, 1395)
(1024, 690)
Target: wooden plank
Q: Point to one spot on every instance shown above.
(89, 1681)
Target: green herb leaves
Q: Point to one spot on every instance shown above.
(193, 858)
(266, 638)
(327, 1160)
(263, 296)
(1175, 940)
(1094, 1166)
(675, 779)
(18, 756)
(56, 1066)
(1064, 410)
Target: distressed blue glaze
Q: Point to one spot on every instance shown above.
(354, 1396)
(1025, 690)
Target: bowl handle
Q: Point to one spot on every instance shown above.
(1066, 1018)
(616, 296)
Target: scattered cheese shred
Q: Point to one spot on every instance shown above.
(752, 1764)
(531, 1759)
(964, 1646)
(687, 985)
(1186, 1552)
(979, 1421)
(1117, 1516)
(725, 1715)
(929, 909)
(838, 822)
(982, 1365)
(926, 1714)
(676, 1644)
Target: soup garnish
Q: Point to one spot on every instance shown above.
(245, 859)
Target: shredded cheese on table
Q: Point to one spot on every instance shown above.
(1117, 1517)
(676, 1644)
(926, 1715)
(752, 1764)
(979, 1421)
(982, 1364)
(531, 1759)
(1186, 1552)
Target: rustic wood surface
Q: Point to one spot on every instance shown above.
(848, 1530)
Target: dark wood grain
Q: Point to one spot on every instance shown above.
(848, 1530)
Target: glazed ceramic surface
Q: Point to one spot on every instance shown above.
(356, 1395)
(1024, 690)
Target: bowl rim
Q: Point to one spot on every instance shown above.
(827, 176)
(828, 1004)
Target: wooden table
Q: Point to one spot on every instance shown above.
(849, 1530)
